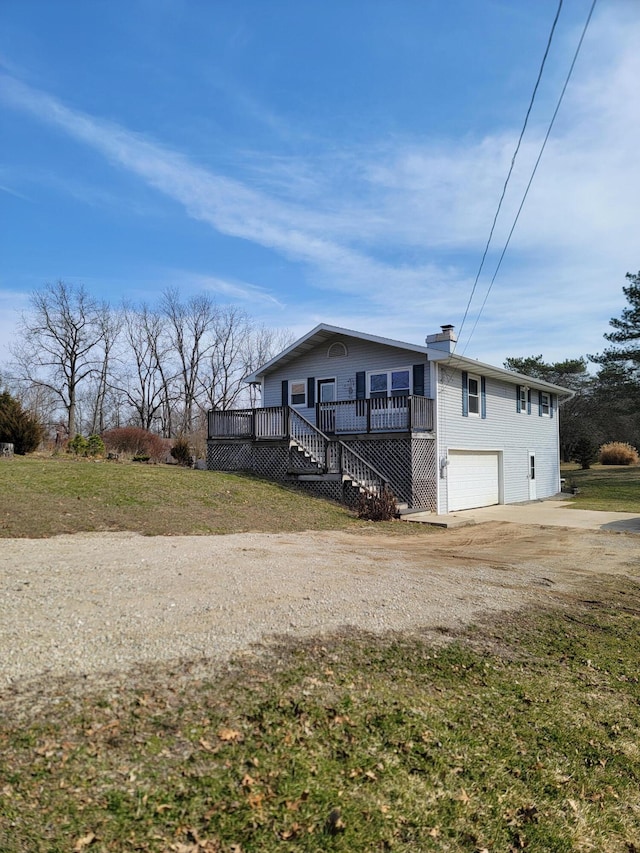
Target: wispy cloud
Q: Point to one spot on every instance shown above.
(239, 291)
(388, 219)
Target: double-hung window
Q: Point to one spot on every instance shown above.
(545, 403)
(390, 383)
(523, 390)
(473, 387)
(298, 393)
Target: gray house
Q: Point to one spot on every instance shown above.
(345, 412)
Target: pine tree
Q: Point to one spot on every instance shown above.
(17, 427)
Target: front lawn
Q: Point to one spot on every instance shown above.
(614, 488)
(48, 496)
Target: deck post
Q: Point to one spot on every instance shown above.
(368, 415)
(285, 422)
(409, 414)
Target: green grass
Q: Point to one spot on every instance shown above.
(613, 488)
(48, 496)
(520, 734)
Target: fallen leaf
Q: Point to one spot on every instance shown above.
(230, 735)
(84, 842)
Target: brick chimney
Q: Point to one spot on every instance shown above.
(444, 340)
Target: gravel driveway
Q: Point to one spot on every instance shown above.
(87, 604)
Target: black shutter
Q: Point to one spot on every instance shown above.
(540, 403)
(465, 394)
(285, 392)
(361, 385)
(311, 392)
(529, 401)
(550, 405)
(483, 397)
(418, 380)
(518, 403)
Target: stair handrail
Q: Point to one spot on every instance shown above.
(374, 491)
(311, 448)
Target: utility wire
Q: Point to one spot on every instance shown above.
(535, 169)
(513, 160)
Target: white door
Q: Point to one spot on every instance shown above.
(532, 475)
(473, 479)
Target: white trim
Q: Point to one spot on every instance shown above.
(323, 332)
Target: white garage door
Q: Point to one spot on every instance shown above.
(474, 479)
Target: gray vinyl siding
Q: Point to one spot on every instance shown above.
(504, 429)
(361, 356)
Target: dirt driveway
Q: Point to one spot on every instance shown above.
(93, 604)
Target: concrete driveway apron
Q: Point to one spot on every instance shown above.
(553, 512)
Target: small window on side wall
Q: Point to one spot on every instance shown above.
(545, 404)
(473, 385)
(523, 399)
(298, 393)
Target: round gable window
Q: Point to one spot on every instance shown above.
(337, 350)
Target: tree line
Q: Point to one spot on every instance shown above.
(83, 365)
(606, 405)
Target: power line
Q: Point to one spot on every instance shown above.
(513, 160)
(535, 169)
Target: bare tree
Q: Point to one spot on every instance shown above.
(110, 323)
(143, 380)
(190, 327)
(263, 344)
(221, 380)
(60, 344)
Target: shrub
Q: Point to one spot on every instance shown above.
(618, 453)
(585, 452)
(380, 507)
(78, 445)
(181, 452)
(18, 427)
(95, 446)
(134, 441)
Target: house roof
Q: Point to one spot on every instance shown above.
(323, 332)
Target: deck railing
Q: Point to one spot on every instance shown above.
(382, 414)
(270, 422)
(385, 414)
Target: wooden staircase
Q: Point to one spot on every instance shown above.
(332, 457)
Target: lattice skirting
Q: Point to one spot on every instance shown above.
(408, 463)
(424, 474)
(392, 457)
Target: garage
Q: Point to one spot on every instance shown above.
(474, 479)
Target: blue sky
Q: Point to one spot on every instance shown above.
(334, 160)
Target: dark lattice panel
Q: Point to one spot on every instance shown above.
(330, 489)
(271, 460)
(229, 456)
(392, 457)
(424, 474)
(298, 461)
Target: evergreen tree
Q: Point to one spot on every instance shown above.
(17, 427)
(617, 388)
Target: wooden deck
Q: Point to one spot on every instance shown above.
(349, 417)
